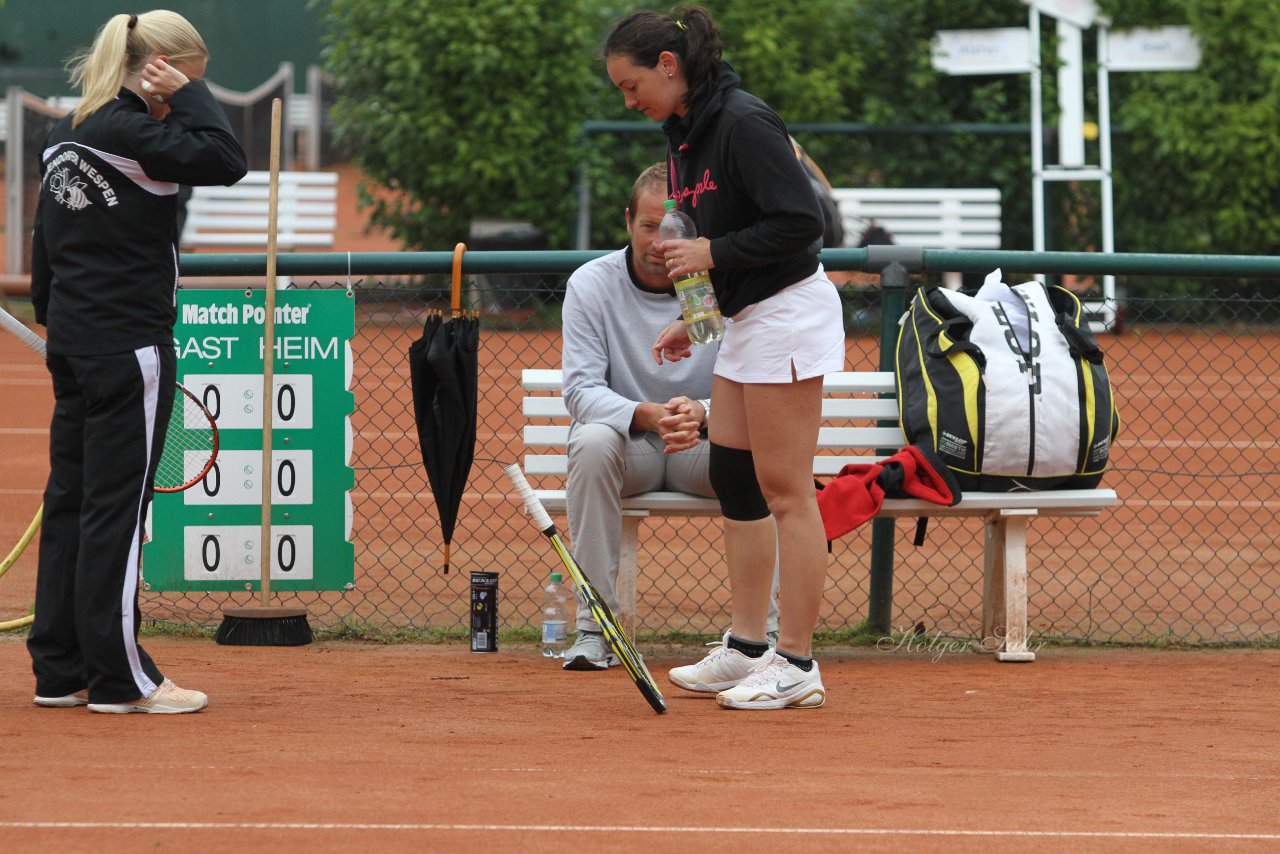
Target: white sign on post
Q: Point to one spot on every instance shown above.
(1153, 49)
(1081, 13)
(997, 51)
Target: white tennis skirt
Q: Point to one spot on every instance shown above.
(801, 326)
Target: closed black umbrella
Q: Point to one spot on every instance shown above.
(444, 371)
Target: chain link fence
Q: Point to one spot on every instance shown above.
(1190, 555)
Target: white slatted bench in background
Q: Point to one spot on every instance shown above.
(965, 218)
(851, 407)
(236, 216)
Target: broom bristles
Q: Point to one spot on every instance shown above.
(264, 627)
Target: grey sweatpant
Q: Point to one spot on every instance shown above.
(605, 467)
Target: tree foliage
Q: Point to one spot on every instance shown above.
(475, 109)
(1199, 168)
(462, 109)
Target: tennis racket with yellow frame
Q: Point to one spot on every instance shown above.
(613, 635)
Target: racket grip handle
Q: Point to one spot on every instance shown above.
(532, 505)
(22, 333)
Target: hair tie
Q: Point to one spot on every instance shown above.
(680, 23)
(133, 21)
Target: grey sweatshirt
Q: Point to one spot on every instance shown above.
(610, 324)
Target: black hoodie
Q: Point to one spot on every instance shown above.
(104, 257)
(733, 170)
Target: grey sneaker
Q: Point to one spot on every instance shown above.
(168, 699)
(590, 652)
(79, 698)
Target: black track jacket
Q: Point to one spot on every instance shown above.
(104, 254)
(733, 170)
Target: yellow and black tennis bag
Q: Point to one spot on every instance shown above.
(1008, 387)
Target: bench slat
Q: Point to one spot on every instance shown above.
(317, 194)
(841, 382)
(557, 436)
(1061, 502)
(288, 221)
(258, 239)
(923, 194)
(257, 206)
(263, 177)
(856, 408)
(557, 465)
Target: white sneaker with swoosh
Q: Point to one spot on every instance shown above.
(721, 668)
(775, 683)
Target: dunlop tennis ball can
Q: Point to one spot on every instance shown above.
(484, 612)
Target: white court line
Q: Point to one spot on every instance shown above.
(618, 829)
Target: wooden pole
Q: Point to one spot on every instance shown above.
(268, 350)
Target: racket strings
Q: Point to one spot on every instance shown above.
(190, 444)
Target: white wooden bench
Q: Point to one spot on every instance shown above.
(965, 218)
(236, 216)
(854, 404)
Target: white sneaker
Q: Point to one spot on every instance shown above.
(79, 698)
(168, 699)
(775, 683)
(722, 668)
(590, 652)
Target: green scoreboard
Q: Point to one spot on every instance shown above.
(209, 537)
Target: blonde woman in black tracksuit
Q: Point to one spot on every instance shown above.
(104, 282)
(760, 225)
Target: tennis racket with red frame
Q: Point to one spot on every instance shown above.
(191, 442)
(613, 635)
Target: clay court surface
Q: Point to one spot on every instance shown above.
(343, 746)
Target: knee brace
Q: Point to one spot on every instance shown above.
(733, 476)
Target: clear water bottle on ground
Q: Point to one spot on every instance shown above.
(697, 298)
(555, 618)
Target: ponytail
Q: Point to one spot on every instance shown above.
(703, 50)
(688, 32)
(98, 72)
(122, 47)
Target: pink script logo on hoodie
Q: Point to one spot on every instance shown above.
(706, 185)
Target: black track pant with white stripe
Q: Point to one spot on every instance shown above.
(109, 420)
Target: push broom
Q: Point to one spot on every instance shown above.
(264, 624)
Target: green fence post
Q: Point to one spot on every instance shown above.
(893, 284)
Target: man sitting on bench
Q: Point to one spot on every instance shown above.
(629, 414)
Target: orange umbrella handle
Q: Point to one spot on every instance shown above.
(457, 278)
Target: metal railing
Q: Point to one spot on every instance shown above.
(1190, 555)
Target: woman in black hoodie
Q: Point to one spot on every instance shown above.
(734, 171)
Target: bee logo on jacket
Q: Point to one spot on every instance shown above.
(68, 190)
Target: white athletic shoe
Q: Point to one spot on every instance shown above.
(590, 652)
(79, 698)
(722, 668)
(775, 683)
(168, 699)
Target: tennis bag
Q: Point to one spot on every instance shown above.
(1008, 388)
